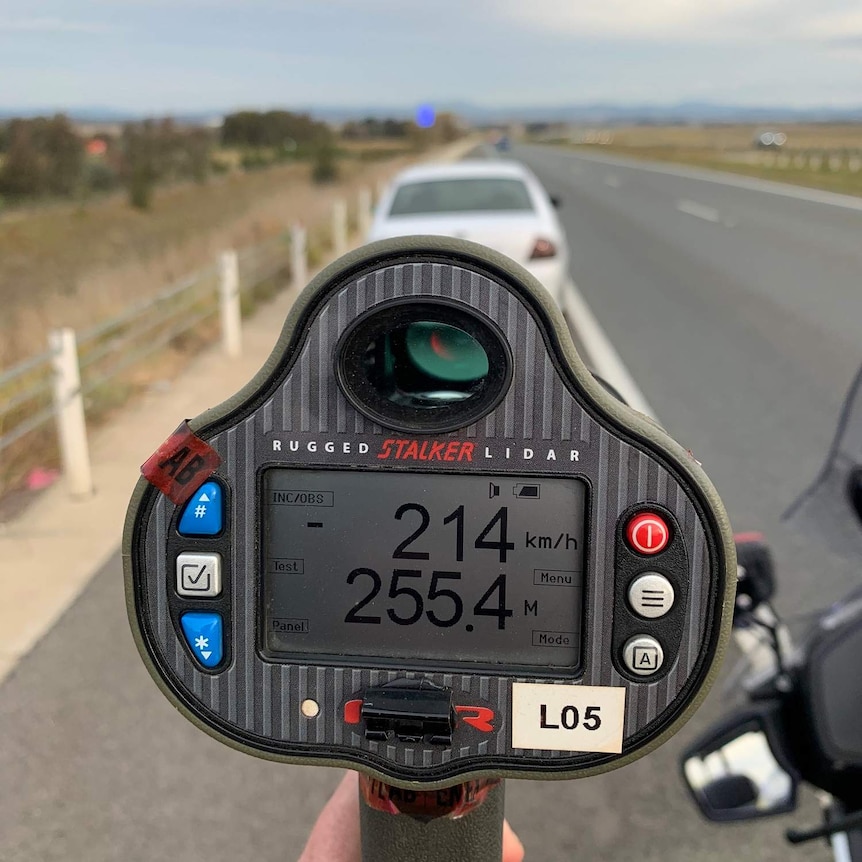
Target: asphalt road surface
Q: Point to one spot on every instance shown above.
(738, 312)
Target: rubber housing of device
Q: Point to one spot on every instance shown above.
(618, 416)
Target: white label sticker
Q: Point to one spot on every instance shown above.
(568, 717)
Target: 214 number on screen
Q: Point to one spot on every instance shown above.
(493, 537)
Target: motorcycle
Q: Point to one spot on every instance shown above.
(802, 717)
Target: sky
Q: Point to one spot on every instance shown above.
(162, 56)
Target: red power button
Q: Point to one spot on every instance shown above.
(648, 533)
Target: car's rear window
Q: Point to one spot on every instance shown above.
(485, 194)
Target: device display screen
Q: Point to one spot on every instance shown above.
(427, 567)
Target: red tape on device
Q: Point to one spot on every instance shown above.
(181, 465)
(451, 802)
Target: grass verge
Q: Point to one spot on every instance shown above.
(842, 181)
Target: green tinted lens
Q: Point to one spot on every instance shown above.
(445, 352)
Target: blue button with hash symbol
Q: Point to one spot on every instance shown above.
(204, 512)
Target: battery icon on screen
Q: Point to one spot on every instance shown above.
(529, 492)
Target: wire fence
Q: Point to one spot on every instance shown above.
(264, 261)
(27, 404)
(116, 344)
(86, 368)
(817, 160)
(28, 391)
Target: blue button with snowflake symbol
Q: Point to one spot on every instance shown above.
(204, 633)
(204, 512)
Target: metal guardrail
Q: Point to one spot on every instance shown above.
(812, 159)
(261, 262)
(137, 333)
(53, 384)
(28, 405)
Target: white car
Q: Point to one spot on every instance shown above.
(499, 204)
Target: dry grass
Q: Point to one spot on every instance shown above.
(731, 148)
(74, 265)
(361, 147)
(66, 265)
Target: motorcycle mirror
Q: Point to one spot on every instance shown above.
(756, 583)
(737, 770)
(732, 791)
(832, 506)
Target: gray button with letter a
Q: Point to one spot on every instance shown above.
(643, 655)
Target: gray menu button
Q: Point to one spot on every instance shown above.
(650, 595)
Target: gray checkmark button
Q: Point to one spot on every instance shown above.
(198, 574)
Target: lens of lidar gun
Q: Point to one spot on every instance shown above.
(445, 352)
(423, 365)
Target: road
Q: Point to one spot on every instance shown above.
(738, 312)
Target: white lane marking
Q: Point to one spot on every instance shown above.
(613, 181)
(702, 211)
(801, 193)
(602, 355)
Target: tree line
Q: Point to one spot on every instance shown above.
(48, 157)
(371, 127)
(275, 129)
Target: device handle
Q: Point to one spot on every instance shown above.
(475, 837)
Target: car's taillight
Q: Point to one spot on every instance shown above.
(543, 248)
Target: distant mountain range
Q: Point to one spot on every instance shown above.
(593, 113)
(606, 112)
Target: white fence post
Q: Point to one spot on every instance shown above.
(231, 316)
(365, 212)
(69, 410)
(299, 255)
(339, 227)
